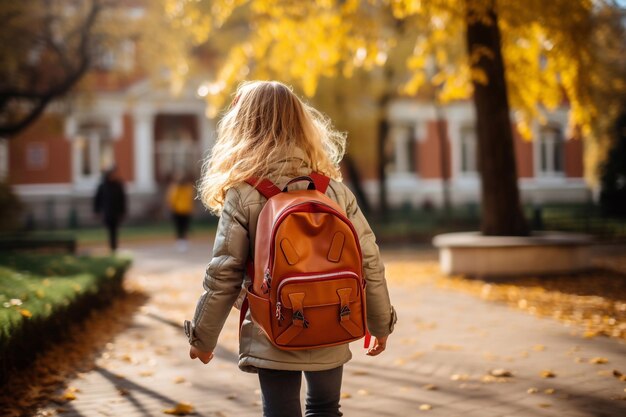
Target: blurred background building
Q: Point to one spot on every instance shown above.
(149, 136)
(118, 117)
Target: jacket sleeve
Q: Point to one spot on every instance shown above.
(224, 275)
(381, 316)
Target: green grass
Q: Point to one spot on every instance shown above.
(130, 233)
(36, 289)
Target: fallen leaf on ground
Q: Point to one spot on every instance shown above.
(545, 405)
(68, 395)
(547, 374)
(532, 390)
(430, 387)
(146, 373)
(345, 395)
(460, 377)
(363, 392)
(549, 391)
(598, 360)
(122, 391)
(181, 409)
(179, 380)
(426, 407)
(539, 348)
(501, 373)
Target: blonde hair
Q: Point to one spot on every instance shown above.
(266, 123)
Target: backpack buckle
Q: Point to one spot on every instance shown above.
(345, 312)
(298, 317)
(267, 282)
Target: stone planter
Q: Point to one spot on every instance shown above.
(542, 253)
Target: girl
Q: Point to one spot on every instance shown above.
(269, 133)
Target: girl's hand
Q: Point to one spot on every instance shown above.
(205, 357)
(379, 346)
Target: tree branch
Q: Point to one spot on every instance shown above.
(41, 99)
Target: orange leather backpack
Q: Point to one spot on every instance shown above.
(307, 286)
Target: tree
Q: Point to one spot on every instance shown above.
(498, 174)
(613, 179)
(533, 54)
(45, 48)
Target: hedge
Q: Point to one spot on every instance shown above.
(40, 295)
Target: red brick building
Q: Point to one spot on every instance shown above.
(549, 167)
(56, 163)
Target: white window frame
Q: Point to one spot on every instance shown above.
(77, 128)
(550, 145)
(93, 138)
(4, 159)
(403, 137)
(471, 145)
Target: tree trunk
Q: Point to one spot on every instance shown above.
(383, 131)
(501, 210)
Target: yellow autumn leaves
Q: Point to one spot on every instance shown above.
(557, 51)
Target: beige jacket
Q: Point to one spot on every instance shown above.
(225, 276)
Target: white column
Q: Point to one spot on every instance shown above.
(401, 138)
(536, 149)
(143, 134)
(4, 158)
(454, 134)
(207, 134)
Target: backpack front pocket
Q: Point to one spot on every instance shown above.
(319, 310)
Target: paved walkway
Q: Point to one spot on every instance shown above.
(438, 360)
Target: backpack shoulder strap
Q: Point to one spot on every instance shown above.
(266, 187)
(321, 181)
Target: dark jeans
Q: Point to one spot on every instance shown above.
(181, 221)
(112, 226)
(281, 392)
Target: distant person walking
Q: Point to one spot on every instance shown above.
(110, 204)
(180, 201)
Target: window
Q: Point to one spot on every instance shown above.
(469, 150)
(551, 151)
(36, 156)
(175, 157)
(122, 56)
(94, 152)
(177, 151)
(4, 158)
(401, 150)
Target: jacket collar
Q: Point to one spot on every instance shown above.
(298, 159)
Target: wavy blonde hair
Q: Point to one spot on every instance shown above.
(264, 125)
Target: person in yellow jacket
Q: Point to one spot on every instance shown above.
(180, 197)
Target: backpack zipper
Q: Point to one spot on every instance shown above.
(315, 277)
